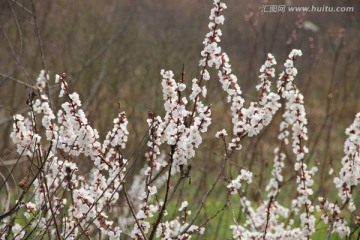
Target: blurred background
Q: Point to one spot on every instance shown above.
(113, 51)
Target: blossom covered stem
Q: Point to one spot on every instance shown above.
(211, 39)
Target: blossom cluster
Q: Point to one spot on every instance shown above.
(295, 116)
(78, 204)
(349, 175)
(175, 228)
(245, 176)
(249, 121)
(69, 132)
(331, 216)
(346, 182)
(180, 128)
(241, 233)
(265, 220)
(23, 136)
(273, 187)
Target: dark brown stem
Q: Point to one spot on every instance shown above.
(163, 208)
(268, 216)
(58, 235)
(41, 46)
(19, 200)
(132, 210)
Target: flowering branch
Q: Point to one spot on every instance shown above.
(60, 201)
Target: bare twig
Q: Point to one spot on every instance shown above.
(202, 203)
(268, 216)
(7, 201)
(41, 46)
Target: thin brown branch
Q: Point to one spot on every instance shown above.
(209, 191)
(163, 207)
(132, 210)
